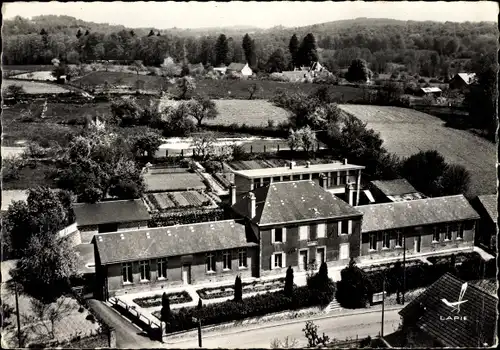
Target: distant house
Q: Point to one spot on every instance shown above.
(423, 226)
(135, 260)
(462, 81)
(434, 91)
(432, 319)
(487, 207)
(221, 70)
(239, 68)
(394, 191)
(299, 224)
(112, 216)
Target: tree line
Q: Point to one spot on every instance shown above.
(426, 48)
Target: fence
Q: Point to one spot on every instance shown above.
(141, 320)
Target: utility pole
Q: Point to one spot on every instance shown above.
(404, 269)
(199, 330)
(383, 305)
(18, 319)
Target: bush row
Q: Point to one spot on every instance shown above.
(270, 131)
(254, 306)
(186, 217)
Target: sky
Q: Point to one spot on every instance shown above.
(163, 15)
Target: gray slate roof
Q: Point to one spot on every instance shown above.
(480, 311)
(386, 216)
(292, 201)
(236, 66)
(170, 241)
(110, 212)
(490, 204)
(395, 187)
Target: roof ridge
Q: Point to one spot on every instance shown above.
(412, 201)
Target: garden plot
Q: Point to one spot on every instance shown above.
(155, 300)
(35, 87)
(406, 132)
(173, 182)
(248, 287)
(165, 201)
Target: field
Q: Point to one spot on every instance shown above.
(250, 112)
(97, 79)
(406, 132)
(38, 75)
(34, 87)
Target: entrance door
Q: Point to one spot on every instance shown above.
(186, 273)
(418, 242)
(303, 260)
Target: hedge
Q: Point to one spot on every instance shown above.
(254, 306)
(156, 300)
(186, 217)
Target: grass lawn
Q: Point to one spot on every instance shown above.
(35, 87)
(41, 175)
(250, 112)
(173, 182)
(406, 132)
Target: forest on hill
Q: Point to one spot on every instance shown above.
(425, 48)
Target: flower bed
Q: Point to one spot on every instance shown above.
(248, 287)
(155, 300)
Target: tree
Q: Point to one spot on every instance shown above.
(238, 289)
(311, 333)
(395, 277)
(145, 143)
(308, 53)
(455, 180)
(52, 312)
(138, 67)
(221, 50)
(308, 138)
(78, 34)
(248, 46)
(427, 181)
(358, 71)
(43, 32)
(184, 86)
(353, 289)
(276, 62)
(253, 89)
(45, 270)
(165, 313)
(289, 282)
(126, 112)
(202, 108)
(15, 91)
(293, 47)
(287, 343)
(204, 146)
(294, 140)
(151, 33)
(177, 120)
(59, 71)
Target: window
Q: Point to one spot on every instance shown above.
(344, 251)
(226, 260)
(435, 236)
(345, 227)
(373, 241)
(278, 235)
(210, 262)
(303, 233)
(460, 232)
(162, 268)
(321, 230)
(386, 242)
(242, 258)
(447, 235)
(399, 239)
(127, 273)
(278, 260)
(342, 178)
(144, 268)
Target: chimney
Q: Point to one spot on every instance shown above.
(233, 194)
(292, 164)
(345, 161)
(349, 193)
(251, 205)
(323, 181)
(308, 163)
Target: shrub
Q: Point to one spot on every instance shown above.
(238, 289)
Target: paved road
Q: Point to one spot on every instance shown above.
(127, 335)
(342, 327)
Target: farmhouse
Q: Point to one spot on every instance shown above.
(141, 259)
(422, 226)
(487, 208)
(299, 224)
(335, 176)
(431, 321)
(393, 191)
(112, 216)
(462, 81)
(239, 68)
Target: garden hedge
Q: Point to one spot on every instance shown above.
(258, 305)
